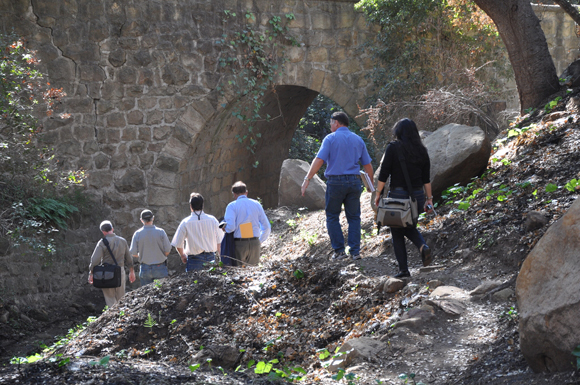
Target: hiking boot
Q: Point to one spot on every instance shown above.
(355, 257)
(337, 255)
(403, 274)
(426, 255)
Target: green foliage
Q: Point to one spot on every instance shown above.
(51, 210)
(253, 57)
(552, 104)
(550, 187)
(150, 321)
(102, 362)
(299, 274)
(572, 185)
(425, 44)
(576, 353)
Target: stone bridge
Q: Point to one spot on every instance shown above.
(151, 108)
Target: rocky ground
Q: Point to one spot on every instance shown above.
(278, 321)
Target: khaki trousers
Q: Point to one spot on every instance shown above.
(114, 294)
(248, 251)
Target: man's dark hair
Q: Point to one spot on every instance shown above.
(340, 117)
(106, 226)
(196, 201)
(239, 188)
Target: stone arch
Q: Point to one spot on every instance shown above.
(147, 122)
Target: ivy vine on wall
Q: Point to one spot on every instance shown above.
(253, 58)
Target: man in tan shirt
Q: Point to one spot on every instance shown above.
(120, 250)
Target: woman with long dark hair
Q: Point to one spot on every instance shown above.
(408, 141)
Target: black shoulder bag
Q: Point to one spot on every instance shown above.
(107, 275)
(394, 212)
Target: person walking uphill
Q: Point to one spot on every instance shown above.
(247, 219)
(151, 245)
(418, 164)
(201, 235)
(342, 151)
(120, 250)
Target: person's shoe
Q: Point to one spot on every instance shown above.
(403, 274)
(337, 255)
(355, 257)
(426, 255)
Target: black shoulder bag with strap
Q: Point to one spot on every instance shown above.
(395, 212)
(107, 275)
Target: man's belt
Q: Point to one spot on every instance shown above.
(156, 264)
(245, 239)
(197, 255)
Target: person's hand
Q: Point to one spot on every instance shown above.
(305, 185)
(377, 199)
(132, 276)
(91, 278)
(183, 258)
(428, 207)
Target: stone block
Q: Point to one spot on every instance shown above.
(160, 196)
(118, 161)
(91, 147)
(143, 58)
(100, 179)
(144, 134)
(161, 132)
(128, 134)
(147, 103)
(146, 160)
(84, 133)
(127, 75)
(61, 69)
(133, 180)
(135, 117)
(154, 117)
(167, 163)
(344, 38)
(170, 116)
(350, 66)
(192, 120)
(117, 57)
(175, 74)
(204, 107)
(295, 54)
(321, 21)
(329, 85)
(91, 73)
(101, 161)
(112, 90)
(163, 178)
(116, 119)
(176, 148)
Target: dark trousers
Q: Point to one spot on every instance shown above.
(399, 233)
(343, 189)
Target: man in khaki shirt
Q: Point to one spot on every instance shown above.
(120, 250)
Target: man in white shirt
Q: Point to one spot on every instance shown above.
(244, 211)
(201, 234)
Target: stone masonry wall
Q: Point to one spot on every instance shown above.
(147, 120)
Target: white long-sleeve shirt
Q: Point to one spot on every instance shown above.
(199, 232)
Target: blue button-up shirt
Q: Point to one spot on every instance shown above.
(342, 151)
(244, 210)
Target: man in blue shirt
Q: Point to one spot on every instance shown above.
(246, 218)
(342, 151)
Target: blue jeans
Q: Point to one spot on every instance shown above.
(149, 273)
(343, 189)
(399, 233)
(196, 262)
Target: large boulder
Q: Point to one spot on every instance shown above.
(289, 190)
(458, 153)
(547, 293)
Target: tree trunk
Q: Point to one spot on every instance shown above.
(527, 48)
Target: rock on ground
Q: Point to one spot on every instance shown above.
(547, 293)
(458, 153)
(289, 190)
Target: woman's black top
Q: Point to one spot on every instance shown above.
(418, 169)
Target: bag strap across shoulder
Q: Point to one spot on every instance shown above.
(106, 243)
(405, 172)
